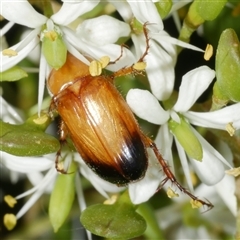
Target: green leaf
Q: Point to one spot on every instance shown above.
(27, 139)
(116, 221)
(13, 74)
(228, 65)
(62, 198)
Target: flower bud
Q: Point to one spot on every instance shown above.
(62, 198)
(163, 7)
(199, 12)
(209, 10)
(227, 68)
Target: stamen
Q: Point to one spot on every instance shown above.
(230, 129)
(9, 52)
(208, 52)
(111, 200)
(171, 193)
(9, 221)
(233, 172)
(196, 203)
(11, 201)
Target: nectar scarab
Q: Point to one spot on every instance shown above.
(102, 126)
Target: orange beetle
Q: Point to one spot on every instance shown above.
(101, 125)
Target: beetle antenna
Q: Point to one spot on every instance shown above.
(170, 176)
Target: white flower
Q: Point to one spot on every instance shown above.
(23, 13)
(162, 54)
(99, 34)
(204, 224)
(210, 169)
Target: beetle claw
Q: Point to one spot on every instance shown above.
(170, 176)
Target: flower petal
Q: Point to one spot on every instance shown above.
(8, 113)
(160, 64)
(22, 12)
(113, 51)
(185, 165)
(81, 200)
(194, 83)
(210, 170)
(124, 10)
(217, 119)
(5, 29)
(22, 48)
(226, 189)
(101, 185)
(174, 41)
(37, 177)
(146, 106)
(167, 43)
(179, 4)
(160, 72)
(74, 45)
(144, 189)
(40, 189)
(103, 30)
(96, 52)
(41, 83)
(27, 164)
(145, 11)
(164, 141)
(71, 10)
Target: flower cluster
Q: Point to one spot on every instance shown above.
(55, 33)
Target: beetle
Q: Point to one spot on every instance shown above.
(102, 126)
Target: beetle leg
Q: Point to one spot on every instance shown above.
(121, 54)
(145, 32)
(63, 132)
(135, 68)
(63, 135)
(170, 176)
(52, 108)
